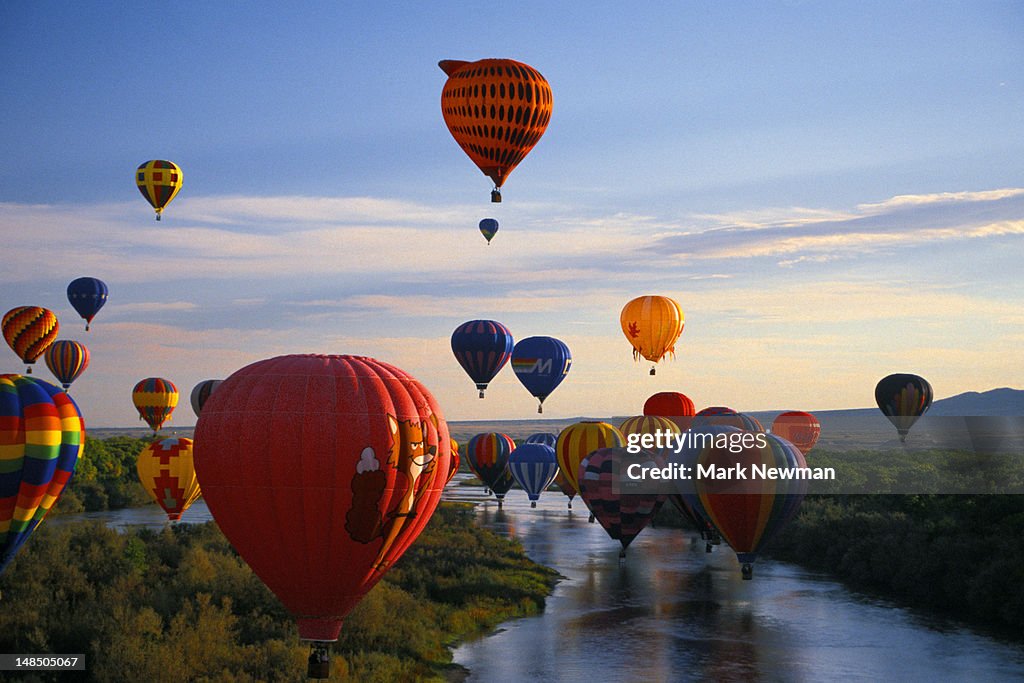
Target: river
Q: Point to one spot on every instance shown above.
(672, 612)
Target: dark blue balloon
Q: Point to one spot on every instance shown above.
(87, 296)
(543, 438)
(541, 363)
(482, 348)
(534, 466)
(489, 228)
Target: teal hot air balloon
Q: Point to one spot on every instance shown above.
(903, 398)
(489, 228)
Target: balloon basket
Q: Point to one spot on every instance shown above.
(622, 555)
(533, 503)
(481, 393)
(653, 372)
(748, 571)
(496, 196)
(591, 519)
(540, 409)
(707, 547)
(319, 663)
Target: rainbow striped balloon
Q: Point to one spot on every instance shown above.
(41, 436)
(155, 398)
(67, 360)
(166, 471)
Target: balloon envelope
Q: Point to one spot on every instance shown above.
(42, 434)
(540, 364)
(577, 441)
(799, 428)
(29, 331)
(340, 460)
(673, 405)
(903, 398)
(623, 515)
(482, 348)
(546, 438)
(488, 455)
(87, 296)
(652, 324)
(489, 228)
(497, 110)
(67, 360)
(534, 467)
(167, 472)
(201, 392)
(155, 398)
(159, 181)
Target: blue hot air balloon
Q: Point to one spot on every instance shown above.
(489, 228)
(541, 363)
(87, 296)
(534, 466)
(482, 348)
(546, 438)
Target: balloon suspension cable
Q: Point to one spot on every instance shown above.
(496, 196)
(319, 662)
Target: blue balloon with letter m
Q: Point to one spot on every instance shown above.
(541, 363)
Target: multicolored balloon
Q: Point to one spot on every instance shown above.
(341, 460)
(67, 360)
(652, 324)
(533, 466)
(29, 331)
(482, 348)
(159, 181)
(167, 472)
(540, 364)
(42, 434)
(746, 512)
(155, 398)
(489, 228)
(496, 109)
(623, 515)
(799, 428)
(201, 393)
(903, 398)
(87, 296)
(487, 455)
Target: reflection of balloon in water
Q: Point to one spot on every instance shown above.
(159, 182)
(489, 228)
(201, 392)
(29, 330)
(746, 512)
(155, 398)
(540, 364)
(482, 348)
(168, 474)
(42, 434)
(903, 398)
(674, 405)
(340, 460)
(652, 324)
(453, 462)
(496, 109)
(623, 515)
(534, 467)
(87, 296)
(799, 428)
(67, 360)
(487, 455)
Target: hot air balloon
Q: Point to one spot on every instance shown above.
(67, 360)
(746, 512)
(647, 424)
(87, 296)
(168, 474)
(453, 462)
(496, 109)
(201, 392)
(29, 330)
(155, 398)
(652, 324)
(534, 467)
(341, 460)
(577, 441)
(623, 515)
(489, 228)
(799, 428)
(159, 182)
(488, 455)
(545, 438)
(673, 405)
(903, 398)
(722, 416)
(42, 434)
(482, 348)
(540, 364)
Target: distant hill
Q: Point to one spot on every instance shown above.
(1003, 401)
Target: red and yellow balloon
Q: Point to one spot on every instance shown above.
(168, 474)
(29, 331)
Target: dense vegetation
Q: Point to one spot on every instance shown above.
(959, 555)
(179, 604)
(105, 477)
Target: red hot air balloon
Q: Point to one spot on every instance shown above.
(799, 428)
(340, 460)
(673, 405)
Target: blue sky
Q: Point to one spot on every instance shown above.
(830, 190)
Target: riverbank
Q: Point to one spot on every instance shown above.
(142, 602)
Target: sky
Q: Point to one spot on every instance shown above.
(832, 192)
